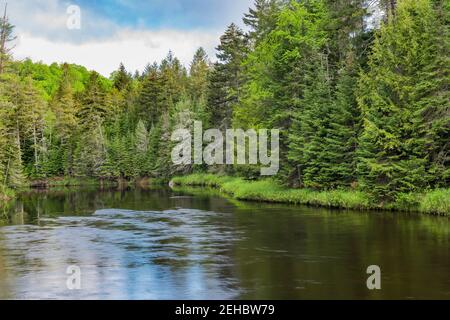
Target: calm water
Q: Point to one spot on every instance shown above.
(191, 244)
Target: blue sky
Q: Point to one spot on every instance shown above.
(113, 31)
(182, 14)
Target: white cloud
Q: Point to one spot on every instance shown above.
(101, 44)
(48, 19)
(135, 48)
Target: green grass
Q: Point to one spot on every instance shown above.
(437, 201)
(433, 202)
(6, 194)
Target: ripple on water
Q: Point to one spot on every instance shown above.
(114, 245)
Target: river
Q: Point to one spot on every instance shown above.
(195, 244)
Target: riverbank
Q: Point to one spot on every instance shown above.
(435, 202)
(7, 195)
(69, 182)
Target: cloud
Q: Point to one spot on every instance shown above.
(48, 19)
(135, 48)
(113, 31)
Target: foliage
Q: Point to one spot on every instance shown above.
(432, 202)
(363, 109)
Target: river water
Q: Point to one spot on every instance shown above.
(194, 244)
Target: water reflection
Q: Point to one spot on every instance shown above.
(187, 244)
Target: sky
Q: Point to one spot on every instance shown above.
(108, 32)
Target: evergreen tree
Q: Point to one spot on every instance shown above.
(149, 106)
(6, 37)
(94, 106)
(262, 19)
(226, 78)
(121, 78)
(62, 138)
(141, 146)
(90, 152)
(437, 110)
(311, 127)
(399, 103)
(198, 80)
(11, 171)
(275, 72)
(173, 82)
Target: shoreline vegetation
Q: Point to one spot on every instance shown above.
(435, 202)
(7, 195)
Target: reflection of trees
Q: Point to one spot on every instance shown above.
(3, 275)
(144, 236)
(193, 238)
(311, 253)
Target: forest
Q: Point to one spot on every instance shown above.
(357, 88)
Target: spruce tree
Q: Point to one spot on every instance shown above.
(399, 103)
(198, 78)
(311, 126)
(149, 106)
(141, 147)
(121, 78)
(262, 19)
(6, 37)
(275, 74)
(226, 78)
(62, 141)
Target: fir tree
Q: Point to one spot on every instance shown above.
(395, 95)
(121, 78)
(226, 78)
(6, 37)
(198, 80)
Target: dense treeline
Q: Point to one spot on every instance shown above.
(358, 88)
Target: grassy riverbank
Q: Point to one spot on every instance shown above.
(432, 202)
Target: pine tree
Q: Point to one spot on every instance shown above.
(399, 103)
(437, 109)
(348, 32)
(340, 143)
(94, 106)
(35, 107)
(149, 106)
(141, 147)
(121, 78)
(90, 153)
(11, 171)
(173, 82)
(226, 78)
(275, 72)
(62, 136)
(163, 164)
(198, 80)
(6, 37)
(310, 128)
(262, 19)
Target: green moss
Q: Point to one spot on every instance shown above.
(434, 202)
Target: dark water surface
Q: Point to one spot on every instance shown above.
(191, 244)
